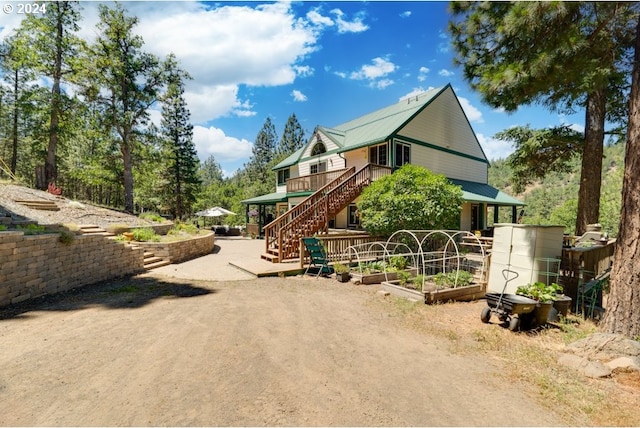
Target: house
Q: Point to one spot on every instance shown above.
(318, 185)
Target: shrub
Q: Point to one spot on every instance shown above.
(67, 237)
(145, 234)
(411, 198)
(31, 229)
(151, 216)
(3, 227)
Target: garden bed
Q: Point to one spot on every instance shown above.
(378, 277)
(180, 251)
(432, 294)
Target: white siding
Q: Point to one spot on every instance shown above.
(449, 164)
(357, 158)
(443, 123)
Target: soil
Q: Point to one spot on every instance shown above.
(154, 350)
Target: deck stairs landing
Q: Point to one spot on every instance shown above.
(282, 236)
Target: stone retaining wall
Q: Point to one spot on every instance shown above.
(181, 251)
(35, 265)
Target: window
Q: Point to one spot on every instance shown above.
(403, 154)
(354, 218)
(318, 167)
(318, 149)
(283, 176)
(378, 155)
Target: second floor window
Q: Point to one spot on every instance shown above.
(283, 176)
(318, 149)
(318, 167)
(378, 155)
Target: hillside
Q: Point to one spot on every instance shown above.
(70, 212)
(554, 200)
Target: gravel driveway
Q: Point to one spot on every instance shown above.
(154, 350)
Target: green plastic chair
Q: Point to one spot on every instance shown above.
(318, 257)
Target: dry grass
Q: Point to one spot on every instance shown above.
(530, 358)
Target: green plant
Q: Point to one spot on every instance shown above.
(404, 277)
(540, 291)
(66, 237)
(3, 227)
(151, 216)
(31, 229)
(145, 234)
(454, 279)
(340, 268)
(398, 262)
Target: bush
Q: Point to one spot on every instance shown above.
(150, 216)
(145, 234)
(411, 198)
(67, 237)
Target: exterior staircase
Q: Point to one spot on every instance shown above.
(150, 259)
(93, 229)
(282, 236)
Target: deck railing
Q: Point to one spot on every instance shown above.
(312, 182)
(336, 246)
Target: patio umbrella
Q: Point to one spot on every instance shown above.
(214, 212)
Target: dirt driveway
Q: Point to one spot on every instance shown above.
(155, 350)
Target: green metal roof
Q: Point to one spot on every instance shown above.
(479, 192)
(269, 198)
(292, 159)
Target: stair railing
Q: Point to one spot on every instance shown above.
(272, 233)
(317, 213)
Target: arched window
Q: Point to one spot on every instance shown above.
(318, 149)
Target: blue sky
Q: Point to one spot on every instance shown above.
(327, 62)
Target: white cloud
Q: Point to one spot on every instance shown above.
(355, 26)
(422, 76)
(415, 92)
(379, 68)
(298, 96)
(473, 114)
(494, 148)
(445, 73)
(208, 102)
(405, 14)
(213, 141)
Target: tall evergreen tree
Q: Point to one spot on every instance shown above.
(292, 137)
(53, 48)
(512, 58)
(210, 172)
(182, 158)
(623, 309)
(125, 81)
(263, 152)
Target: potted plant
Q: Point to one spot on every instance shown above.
(342, 272)
(545, 295)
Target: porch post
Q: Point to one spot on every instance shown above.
(514, 214)
(496, 216)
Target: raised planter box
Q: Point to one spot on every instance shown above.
(377, 278)
(180, 251)
(432, 295)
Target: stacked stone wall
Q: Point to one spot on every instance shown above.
(181, 251)
(36, 265)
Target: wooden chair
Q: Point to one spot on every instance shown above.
(318, 257)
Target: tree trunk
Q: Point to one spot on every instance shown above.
(50, 167)
(623, 309)
(127, 176)
(14, 131)
(591, 172)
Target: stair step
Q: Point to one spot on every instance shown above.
(157, 264)
(39, 205)
(152, 259)
(270, 257)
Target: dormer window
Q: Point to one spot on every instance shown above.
(318, 149)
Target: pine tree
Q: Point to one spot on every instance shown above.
(509, 55)
(125, 81)
(292, 137)
(263, 152)
(53, 47)
(181, 156)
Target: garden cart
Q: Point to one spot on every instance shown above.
(507, 306)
